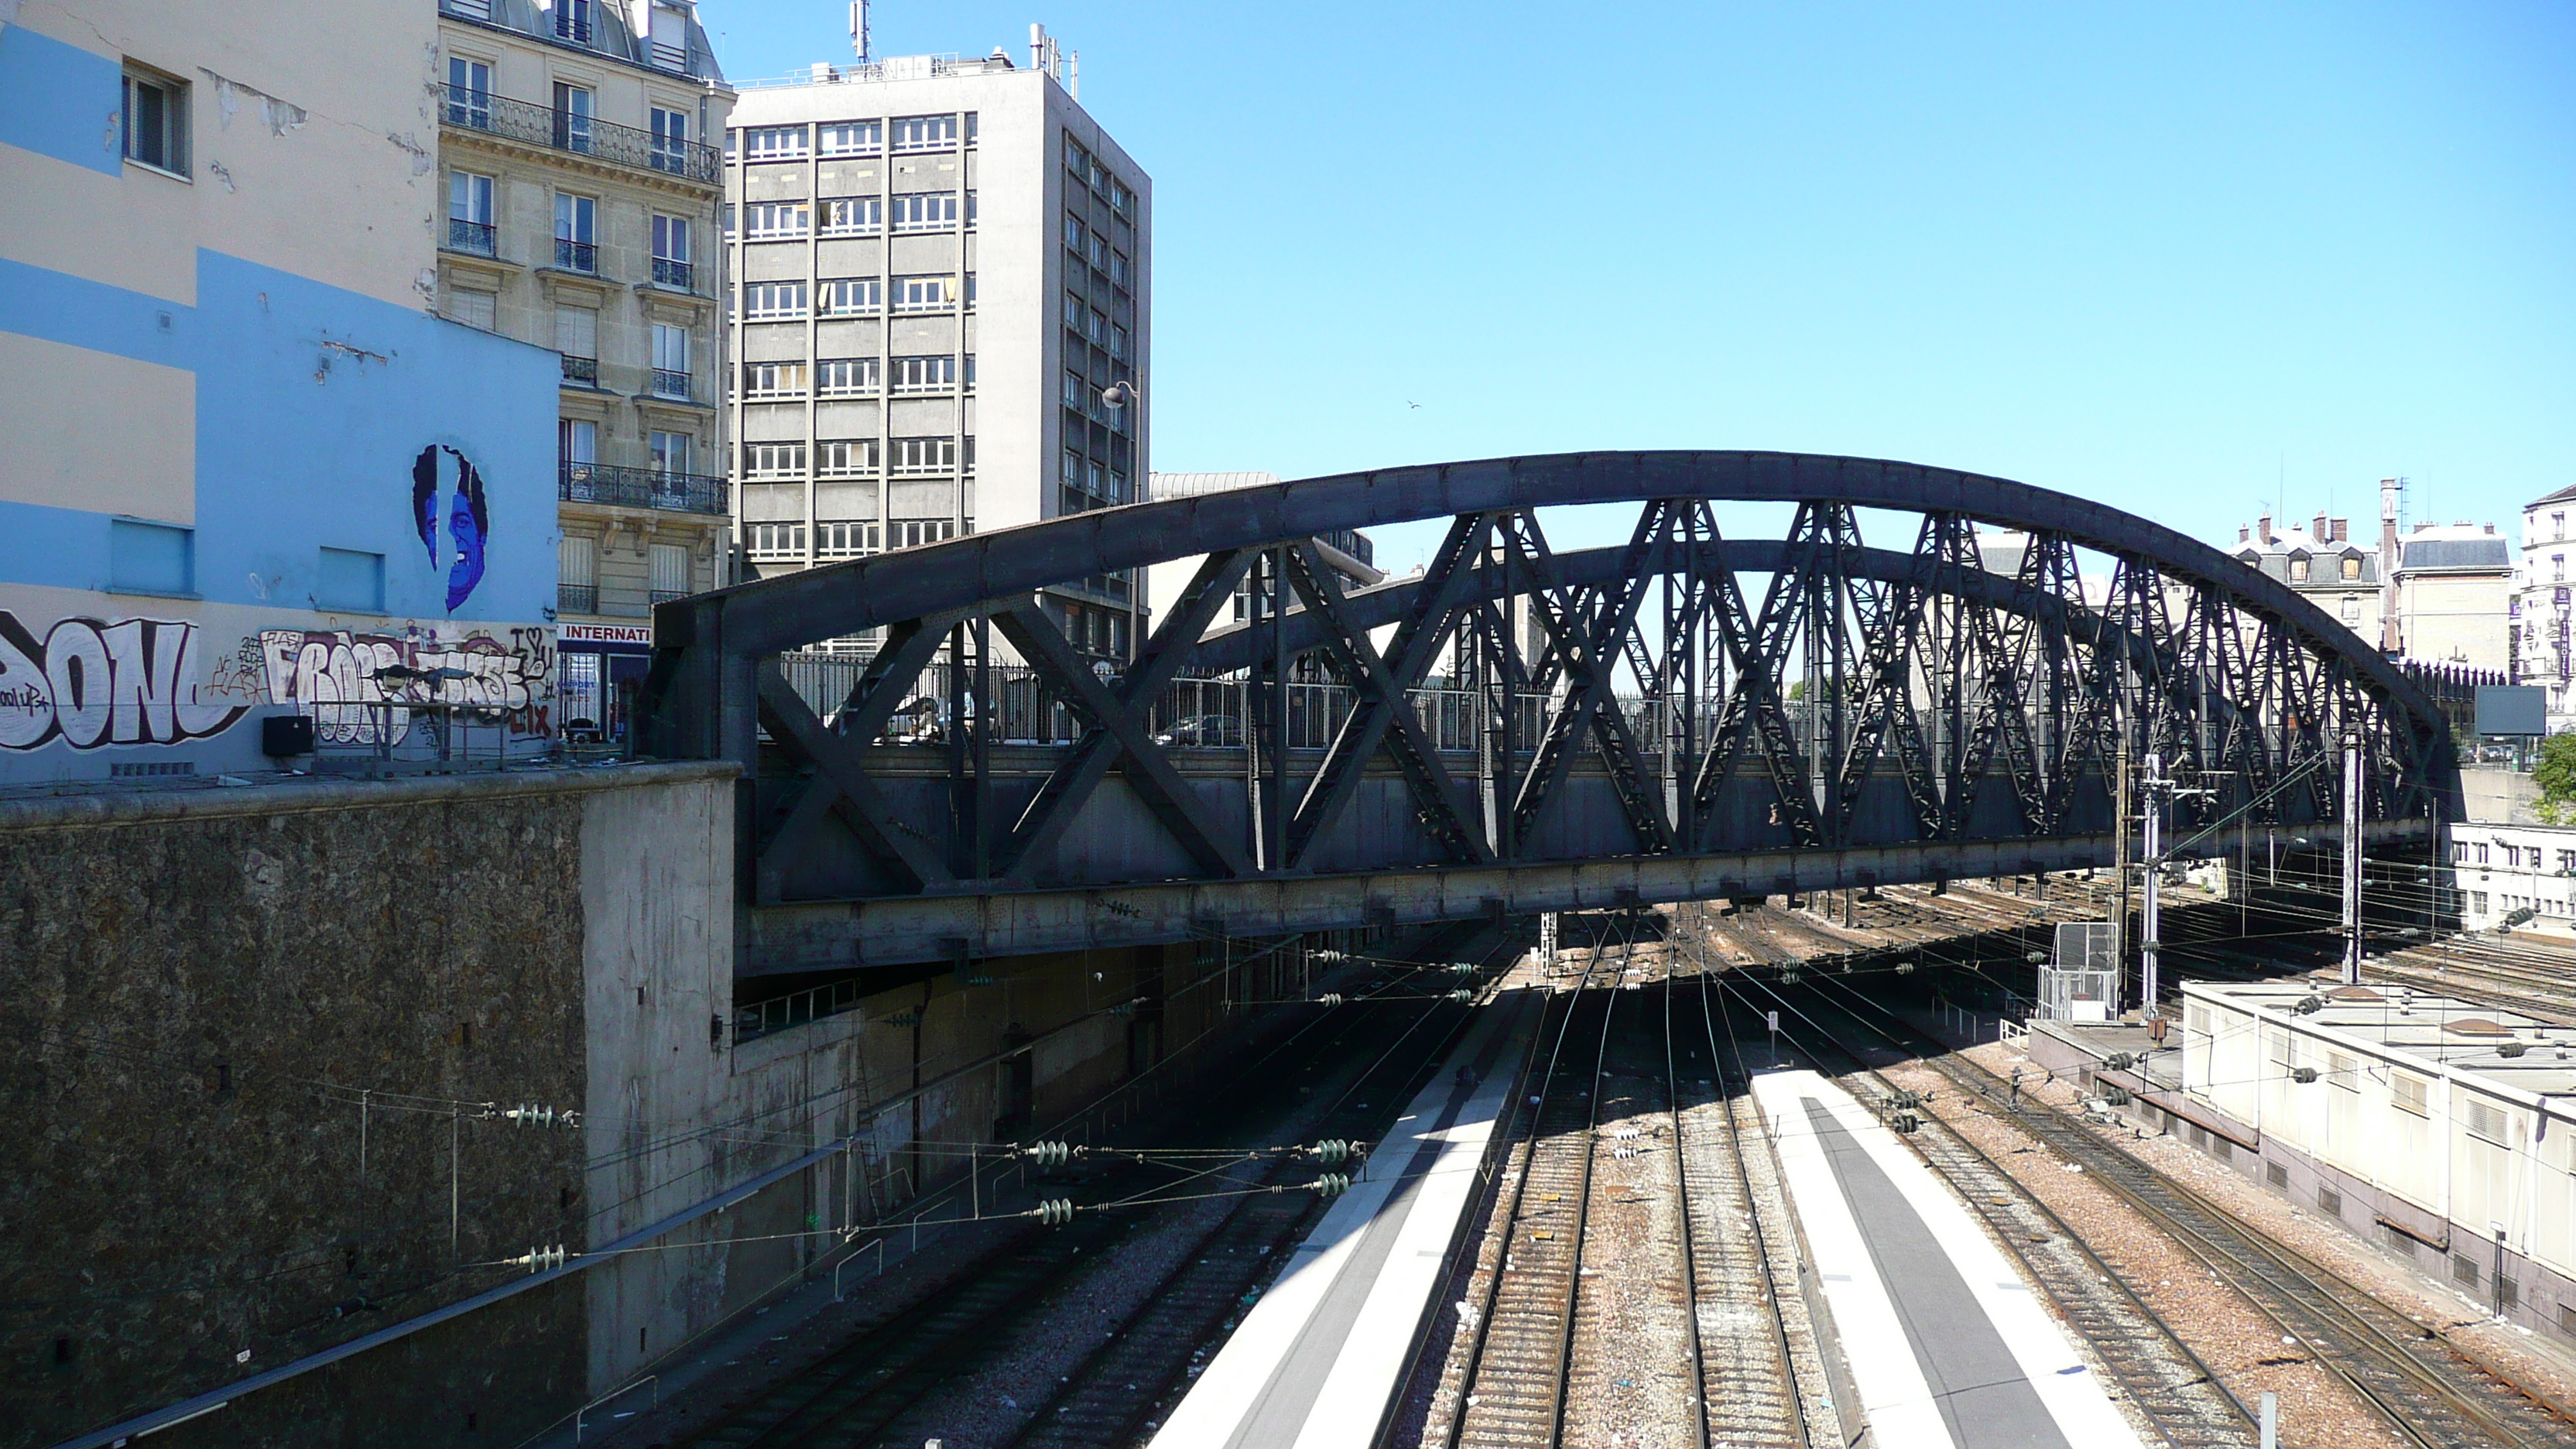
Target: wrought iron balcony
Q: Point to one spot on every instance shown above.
(577, 256)
(667, 383)
(471, 236)
(536, 125)
(669, 273)
(640, 488)
(576, 598)
(583, 370)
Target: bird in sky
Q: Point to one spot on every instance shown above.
(1411, 404)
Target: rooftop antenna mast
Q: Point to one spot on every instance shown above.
(859, 29)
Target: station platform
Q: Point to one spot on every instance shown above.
(1316, 1363)
(1947, 1346)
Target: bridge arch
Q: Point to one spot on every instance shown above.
(1878, 715)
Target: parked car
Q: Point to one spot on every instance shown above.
(1221, 731)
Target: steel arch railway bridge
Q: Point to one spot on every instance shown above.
(1685, 716)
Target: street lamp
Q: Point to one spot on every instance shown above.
(1117, 397)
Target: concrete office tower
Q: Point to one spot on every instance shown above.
(938, 267)
(574, 145)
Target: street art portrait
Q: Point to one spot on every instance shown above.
(445, 481)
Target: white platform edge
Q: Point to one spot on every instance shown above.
(1373, 1358)
(1893, 1391)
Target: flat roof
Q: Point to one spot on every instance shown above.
(2457, 1035)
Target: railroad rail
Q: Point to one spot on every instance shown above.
(2161, 1374)
(1514, 1388)
(876, 1385)
(2429, 1392)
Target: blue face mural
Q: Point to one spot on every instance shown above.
(469, 521)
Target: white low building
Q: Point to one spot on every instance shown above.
(2500, 871)
(2438, 1128)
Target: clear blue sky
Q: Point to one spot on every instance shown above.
(2181, 257)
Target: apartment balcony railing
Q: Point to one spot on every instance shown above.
(577, 256)
(583, 370)
(640, 488)
(669, 273)
(471, 236)
(576, 598)
(667, 383)
(579, 134)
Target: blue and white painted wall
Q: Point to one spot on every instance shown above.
(242, 464)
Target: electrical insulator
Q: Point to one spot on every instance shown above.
(1332, 1149)
(1462, 995)
(1792, 976)
(1055, 1212)
(1904, 968)
(528, 1114)
(1907, 1124)
(1333, 1184)
(1047, 1154)
(2303, 1074)
(1463, 968)
(2120, 1061)
(538, 1260)
(1329, 998)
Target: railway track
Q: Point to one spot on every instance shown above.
(2160, 1373)
(1514, 1390)
(2427, 1391)
(887, 1384)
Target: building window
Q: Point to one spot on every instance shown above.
(914, 532)
(925, 133)
(671, 369)
(671, 264)
(1118, 268)
(2352, 566)
(853, 215)
(670, 150)
(846, 538)
(926, 211)
(774, 143)
(474, 309)
(2482, 853)
(1118, 342)
(925, 455)
(1121, 200)
(774, 220)
(352, 580)
(2558, 528)
(576, 442)
(773, 300)
(669, 563)
(469, 213)
(2558, 568)
(846, 377)
(577, 338)
(773, 379)
(773, 460)
(156, 120)
(853, 296)
(151, 558)
(469, 93)
(576, 232)
(846, 458)
(1076, 391)
(852, 138)
(2407, 1094)
(572, 21)
(774, 541)
(572, 117)
(2299, 569)
(577, 576)
(670, 452)
(925, 294)
(925, 374)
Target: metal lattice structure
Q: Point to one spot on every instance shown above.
(1686, 715)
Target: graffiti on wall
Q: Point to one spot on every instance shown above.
(92, 683)
(95, 683)
(356, 686)
(443, 475)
